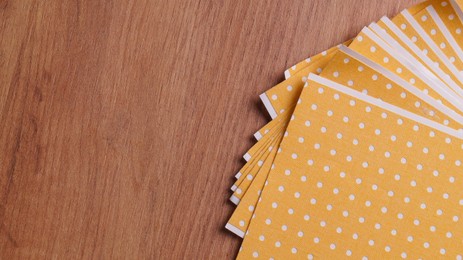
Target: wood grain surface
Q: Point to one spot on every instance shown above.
(123, 122)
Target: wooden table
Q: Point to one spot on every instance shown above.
(123, 122)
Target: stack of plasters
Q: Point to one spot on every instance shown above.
(363, 157)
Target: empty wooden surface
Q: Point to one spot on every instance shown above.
(122, 123)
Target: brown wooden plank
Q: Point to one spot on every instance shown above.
(123, 122)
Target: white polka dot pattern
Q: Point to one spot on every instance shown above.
(368, 200)
(343, 70)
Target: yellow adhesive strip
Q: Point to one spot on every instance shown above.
(399, 199)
